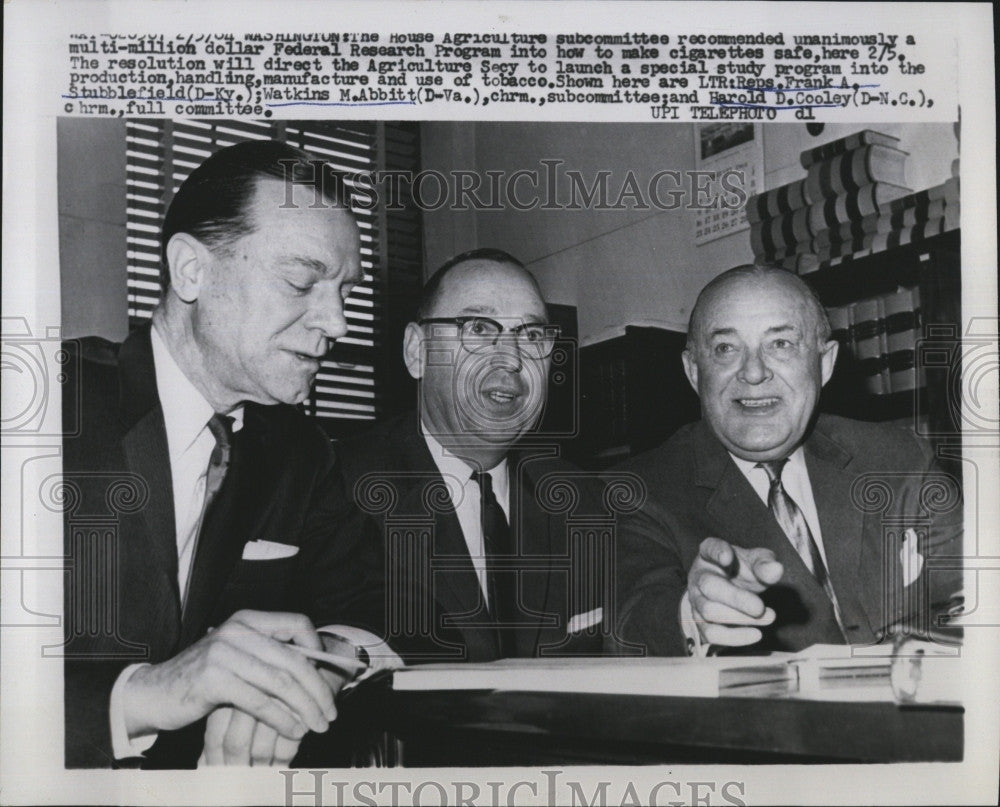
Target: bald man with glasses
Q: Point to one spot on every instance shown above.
(479, 563)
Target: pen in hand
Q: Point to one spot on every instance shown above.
(344, 664)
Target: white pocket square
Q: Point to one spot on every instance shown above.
(579, 622)
(910, 559)
(268, 550)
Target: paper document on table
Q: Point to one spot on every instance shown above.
(840, 673)
(910, 672)
(822, 672)
(685, 677)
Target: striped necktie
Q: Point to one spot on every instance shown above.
(793, 524)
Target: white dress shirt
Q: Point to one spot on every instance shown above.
(190, 444)
(465, 497)
(795, 479)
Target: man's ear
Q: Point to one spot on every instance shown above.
(187, 261)
(413, 350)
(690, 368)
(828, 359)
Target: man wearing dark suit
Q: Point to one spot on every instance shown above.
(234, 536)
(479, 556)
(767, 527)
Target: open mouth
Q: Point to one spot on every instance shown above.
(501, 397)
(761, 405)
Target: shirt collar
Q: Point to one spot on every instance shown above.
(796, 462)
(450, 465)
(185, 410)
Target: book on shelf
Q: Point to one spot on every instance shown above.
(901, 311)
(833, 169)
(949, 191)
(853, 141)
(853, 205)
(869, 346)
(780, 234)
(881, 334)
(840, 324)
(826, 254)
(801, 263)
(882, 221)
(855, 169)
(882, 242)
(783, 199)
(791, 233)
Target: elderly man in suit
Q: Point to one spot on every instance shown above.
(479, 558)
(767, 526)
(234, 536)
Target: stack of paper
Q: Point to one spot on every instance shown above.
(682, 677)
(823, 672)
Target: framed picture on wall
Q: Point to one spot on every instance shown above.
(732, 156)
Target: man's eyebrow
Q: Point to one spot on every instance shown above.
(311, 264)
(320, 268)
(784, 328)
(488, 310)
(721, 332)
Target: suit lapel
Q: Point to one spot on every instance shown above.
(841, 524)
(532, 532)
(455, 588)
(144, 443)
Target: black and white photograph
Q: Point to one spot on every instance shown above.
(400, 413)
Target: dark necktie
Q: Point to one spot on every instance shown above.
(221, 427)
(501, 585)
(793, 523)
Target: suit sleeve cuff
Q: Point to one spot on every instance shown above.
(692, 636)
(380, 655)
(123, 746)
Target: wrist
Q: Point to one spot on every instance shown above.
(136, 716)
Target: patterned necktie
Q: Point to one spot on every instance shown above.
(501, 585)
(221, 427)
(793, 523)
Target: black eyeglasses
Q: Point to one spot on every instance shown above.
(536, 340)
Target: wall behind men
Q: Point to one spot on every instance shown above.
(631, 266)
(92, 248)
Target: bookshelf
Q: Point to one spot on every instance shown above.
(933, 268)
(633, 395)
